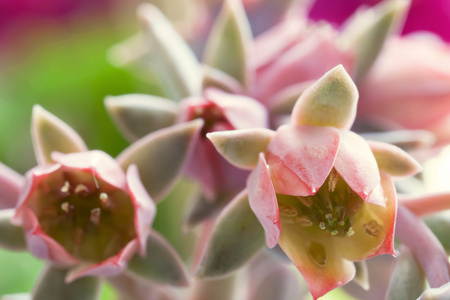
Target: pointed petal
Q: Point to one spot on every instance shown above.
(111, 267)
(178, 64)
(40, 244)
(331, 101)
(11, 236)
(161, 155)
(137, 115)
(263, 201)
(226, 48)
(203, 208)
(236, 238)
(51, 134)
(96, 162)
(161, 264)
(320, 264)
(362, 275)
(221, 80)
(241, 111)
(10, 185)
(51, 286)
(307, 151)
(241, 147)
(362, 244)
(366, 32)
(394, 160)
(407, 279)
(145, 208)
(440, 293)
(357, 166)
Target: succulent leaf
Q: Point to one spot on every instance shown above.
(236, 238)
(10, 185)
(51, 134)
(11, 236)
(160, 156)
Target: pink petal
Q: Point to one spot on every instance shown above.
(96, 162)
(145, 208)
(40, 244)
(263, 201)
(241, 111)
(10, 186)
(357, 166)
(307, 151)
(111, 267)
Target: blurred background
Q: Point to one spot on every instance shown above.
(54, 53)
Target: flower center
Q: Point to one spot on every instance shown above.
(211, 115)
(91, 219)
(330, 209)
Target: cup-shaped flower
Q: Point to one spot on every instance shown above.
(316, 187)
(85, 209)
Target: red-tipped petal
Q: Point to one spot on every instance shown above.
(357, 166)
(263, 201)
(308, 151)
(145, 208)
(110, 267)
(96, 162)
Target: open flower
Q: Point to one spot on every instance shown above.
(84, 209)
(89, 215)
(316, 187)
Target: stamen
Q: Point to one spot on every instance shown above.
(334, 232)
(65, 206)
(306, 201)
(105, 202)
(333, 178)
(350, 231)
(341, 223)
(322, 225)
(95, 216)
(329, 216)
(303, 221)
(81, 188)
(65, 187)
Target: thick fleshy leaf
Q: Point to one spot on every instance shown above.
(366, 32)
(10, 186)
(331, 101)
(308, 152)
(440, 225)
(178, 65)
(144, 207)
(404, 139)
(236, 238)
(222, 288)
(356, 164)
(221, 80)
(11, 236)
(242, 147)
(394, 160)
(137, 115)
(407, 279)
(362, 275)
(161, 264)
(160, 156)
(51, 134)
(51, 286)
(320, 264)
(440, 293)
(263, 201)
(227, 45)
(423, 244)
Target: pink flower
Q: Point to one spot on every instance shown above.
(84, 209)
(408, 87)
(319, 190)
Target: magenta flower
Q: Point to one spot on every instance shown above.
(319, 190)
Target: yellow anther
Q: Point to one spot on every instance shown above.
(65, 206)
(350, 231)
(322, 225)
(81, 188)
(65, 187)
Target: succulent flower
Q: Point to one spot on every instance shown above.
(316, 187)
(87, 214)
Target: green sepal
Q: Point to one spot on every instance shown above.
(236, 238)
(51, 285)
(161, 263)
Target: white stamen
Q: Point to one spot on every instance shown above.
(81, 188)
(322, 225)
(350, 232)
(65, 187)
(65, 206)
(95, 215)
